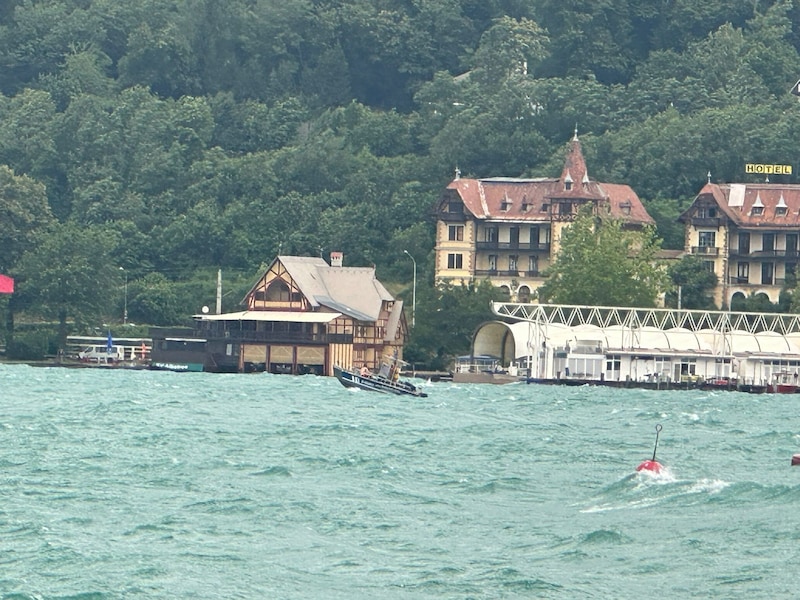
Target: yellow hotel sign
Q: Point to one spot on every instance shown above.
(768, 169)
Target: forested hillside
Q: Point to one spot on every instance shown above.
(157, 141)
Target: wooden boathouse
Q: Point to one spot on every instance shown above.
(302, 316)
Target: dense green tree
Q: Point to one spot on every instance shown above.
(24, 213)
(84, 71)
(665, 213)
(38, 37)
(71, 273)
(671, 155)
(391, 49)
(756, 302)
(494, 133)
(160, 57)
(252, 126)
(769, 49)
(447, 316)
(677, 23)
(594, 37)
(153, 299)
(27, 126)
(509, 47)
(602, 263)
(693, 284)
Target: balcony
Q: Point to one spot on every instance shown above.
(705, 250)
(495, 273)
(772, 254)
(738, 281)
(742, 281)
(499, 273)
(791, 255)
(706, 222)
(525, 246)
(216, 332)
(448, 217)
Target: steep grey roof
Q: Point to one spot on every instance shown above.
(353, 291)
(304, 271)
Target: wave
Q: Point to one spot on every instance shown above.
(645, 489)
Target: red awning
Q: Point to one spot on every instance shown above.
(6, 284)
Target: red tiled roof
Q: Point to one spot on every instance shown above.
(484, 197)
(531, 199)
(625, 204)
(576, 173)
(736, 201)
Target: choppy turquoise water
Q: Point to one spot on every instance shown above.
(138, 484)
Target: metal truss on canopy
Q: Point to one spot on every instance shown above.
(637, 318)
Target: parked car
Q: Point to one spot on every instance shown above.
(101, 354)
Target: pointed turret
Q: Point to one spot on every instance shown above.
(574, 165)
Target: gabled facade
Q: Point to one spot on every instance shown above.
(302, 316)
(748, 236)
(508, 230)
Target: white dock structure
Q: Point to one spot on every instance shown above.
(600, 343)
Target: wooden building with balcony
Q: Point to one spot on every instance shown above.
(303, 315)
(508, 230)
(747, 234)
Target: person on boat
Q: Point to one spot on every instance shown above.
(365, 372)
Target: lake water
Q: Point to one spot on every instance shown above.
(139, 484)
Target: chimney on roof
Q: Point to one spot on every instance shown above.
(336, 259)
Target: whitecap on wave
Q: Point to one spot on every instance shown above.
(646, 488)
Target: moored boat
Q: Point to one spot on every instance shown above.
(783, 383)
(485, 369)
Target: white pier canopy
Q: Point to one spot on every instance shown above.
(554, 341)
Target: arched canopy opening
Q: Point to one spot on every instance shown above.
(504, 341)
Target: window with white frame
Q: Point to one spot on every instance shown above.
(454, 261)
(533, 265)
(455, 233)
(707, 239)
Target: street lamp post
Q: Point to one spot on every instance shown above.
(413, 291)
(125, 308)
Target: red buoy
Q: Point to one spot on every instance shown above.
(795, 460)
(650, 465)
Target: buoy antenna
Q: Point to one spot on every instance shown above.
(658, 430)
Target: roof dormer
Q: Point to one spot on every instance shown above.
(758, 206)
(781, 207)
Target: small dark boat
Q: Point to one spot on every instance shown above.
(377, 383)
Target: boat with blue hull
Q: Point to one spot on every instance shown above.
(376, 383)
